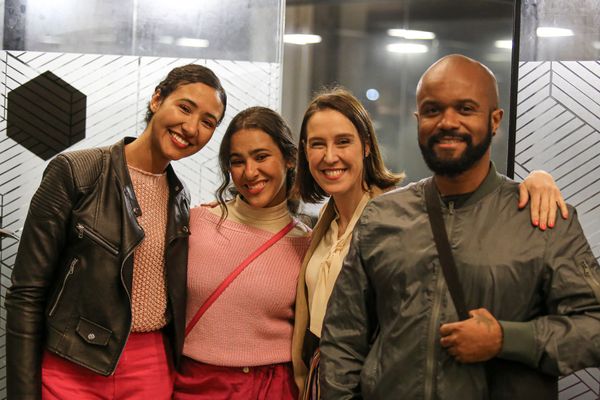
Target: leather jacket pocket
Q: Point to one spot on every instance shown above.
(86, 231)
(92, 332)
(63, 285)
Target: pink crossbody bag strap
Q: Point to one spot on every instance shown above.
(236, 272)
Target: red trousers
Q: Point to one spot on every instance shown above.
(144, 372)
(199, 381)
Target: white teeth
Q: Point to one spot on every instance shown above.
(450, 140)
(256, 186)
(333, 172)
(179, 139)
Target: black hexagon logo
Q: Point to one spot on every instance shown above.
(46, 115)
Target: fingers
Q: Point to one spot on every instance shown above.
(448, 341)
(564, 211)
(523, 195)
(480, 312)
(534, 209)
(553, 207)
(544, 210)
(447, 329)
(544, 197)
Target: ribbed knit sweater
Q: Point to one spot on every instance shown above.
(251, 323)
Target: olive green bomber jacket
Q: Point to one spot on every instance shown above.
(543, 287)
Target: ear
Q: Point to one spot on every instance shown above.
(289, 165)
(496, 119)
(156, 101)
(367, 150)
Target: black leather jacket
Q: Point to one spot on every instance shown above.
(71, 283)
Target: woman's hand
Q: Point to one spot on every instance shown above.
(540, 190)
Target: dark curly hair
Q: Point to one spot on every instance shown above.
(272, 124)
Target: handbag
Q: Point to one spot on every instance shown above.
(505, 379)
(234, 274)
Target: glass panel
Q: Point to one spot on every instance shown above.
(558, 120)
(354, 52)
(114, 53)
(560, 30)
(232, 30)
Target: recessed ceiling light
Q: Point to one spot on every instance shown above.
(166, 39)
(411, 34)
(407, 48)
(372, 94)
(503, 44)
(302, 39)
(191, 42)
(545, 31)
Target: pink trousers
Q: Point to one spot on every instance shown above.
(144, 372)
(199, 381)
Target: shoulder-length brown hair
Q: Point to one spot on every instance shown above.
(272, 124)
(374, 173)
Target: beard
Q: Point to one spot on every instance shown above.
(456, 166)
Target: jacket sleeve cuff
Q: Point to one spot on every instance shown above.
(518, 342)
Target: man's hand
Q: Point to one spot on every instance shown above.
(476, 339)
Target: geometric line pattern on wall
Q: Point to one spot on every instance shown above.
(117, 90)
(46, 115)
(558, 122)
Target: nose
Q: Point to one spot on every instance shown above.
(191, 126)
(250, 170)
(450, 120)
(331, 155)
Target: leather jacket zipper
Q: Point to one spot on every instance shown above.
(591, 280)
(128, 295)
(63, 285)
(83, 230)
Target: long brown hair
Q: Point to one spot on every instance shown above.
(375, 173)
(272, 124)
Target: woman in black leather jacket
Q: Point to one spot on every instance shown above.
(97, 303)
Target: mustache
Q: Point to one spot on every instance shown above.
(438, 137)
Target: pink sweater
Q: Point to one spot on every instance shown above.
(252, 322)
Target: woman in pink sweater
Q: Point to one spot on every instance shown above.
(240, 312)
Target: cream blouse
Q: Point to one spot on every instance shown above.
(325, 265)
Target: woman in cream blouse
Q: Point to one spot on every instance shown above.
(339, 157)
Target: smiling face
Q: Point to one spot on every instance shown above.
(335, 153)
(457, 116)
(183, 122)
(258, 168)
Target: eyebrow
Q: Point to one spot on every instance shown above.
(459, 101)
(193, 103)
(253, 152)
(338, 135)
(463, 101)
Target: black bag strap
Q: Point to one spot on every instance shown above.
(444, 251)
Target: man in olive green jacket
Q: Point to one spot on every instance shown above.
(392, 330)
